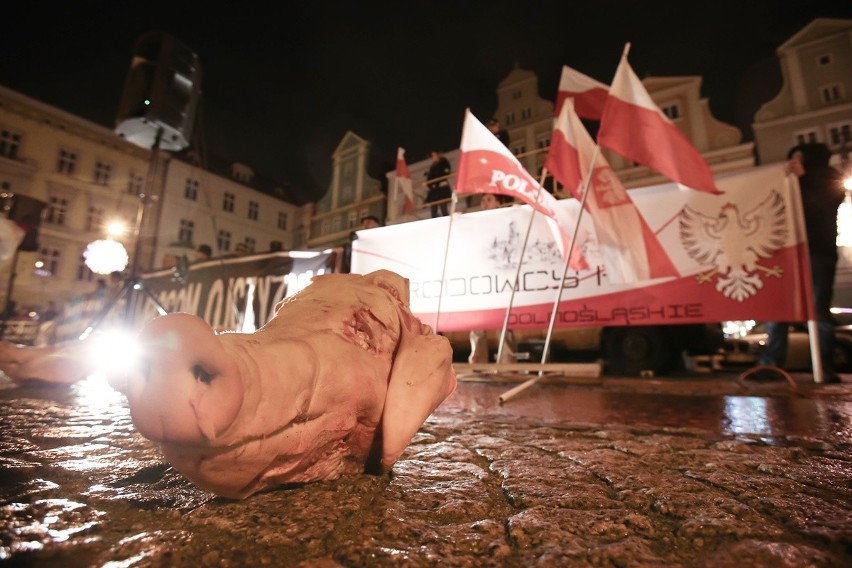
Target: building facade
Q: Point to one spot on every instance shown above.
(88, 176)
(352, 195)
(815, 101)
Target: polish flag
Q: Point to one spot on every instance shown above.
(589, 94)
(630, 250)
(403, 182)
(636, 128)
(487, 166)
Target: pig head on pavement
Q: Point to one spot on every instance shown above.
(336, 383)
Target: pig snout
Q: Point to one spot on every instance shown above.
(188, 389)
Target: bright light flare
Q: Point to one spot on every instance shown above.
(116, 228)
(115, 352)
(106, 256)
(847, 183)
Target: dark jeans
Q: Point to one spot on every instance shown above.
(823, 268)
(439, 193)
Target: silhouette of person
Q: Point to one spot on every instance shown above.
(438, 184)
(822, 193)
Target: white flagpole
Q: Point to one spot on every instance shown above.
(813, 328)
(523, 386)
(518, 271)
(453, 200)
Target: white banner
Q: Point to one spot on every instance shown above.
(738, 254)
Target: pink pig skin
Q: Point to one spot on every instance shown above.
(62, 363)
(337, 383)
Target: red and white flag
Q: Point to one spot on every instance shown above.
(589, 94)
(636, 128)
(403, 182)
(487, 166)
(630, 250)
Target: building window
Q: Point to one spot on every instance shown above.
(519, 150)
(325, 226)
(526, 113)
(805, 136)
(824, 60)
(517, 94)
(190, 191)
(352, 219)
(185, 231)
(831, 93)
(94, 219)
(335, 224)
(252, 210)
(228, 202)
(103, 173)
(67, 163)
(135, 183)
(84, 274)
(57, 209)
(223, 240)
(839, 134)
(50, 261)
(672, 111)
(282, 221)
(251, 243)
(544, 143)
(10, 143)
(510, 117)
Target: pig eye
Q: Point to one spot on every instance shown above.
(201, 375)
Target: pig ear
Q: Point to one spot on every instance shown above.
(421, 378)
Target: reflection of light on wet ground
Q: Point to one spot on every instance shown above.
(95, 391)
(747, 415)
(30, 526)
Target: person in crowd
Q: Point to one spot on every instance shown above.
(503, 136)
(367, 222)
(50, 312)
(479, 338)
(370, 222)
(438, 184)
(203, 252)
(501, 133)
(822, 193)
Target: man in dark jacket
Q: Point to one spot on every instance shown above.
(822, 193)
(439, 185)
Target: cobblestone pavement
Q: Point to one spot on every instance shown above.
(686, 471)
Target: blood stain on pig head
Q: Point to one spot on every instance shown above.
(367, 331)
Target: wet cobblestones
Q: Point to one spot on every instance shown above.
(616, 474)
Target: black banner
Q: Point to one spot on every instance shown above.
(217, 290)
(237, 293)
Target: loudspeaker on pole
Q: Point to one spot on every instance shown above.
(161, 91)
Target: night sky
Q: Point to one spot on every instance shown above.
(282, 82)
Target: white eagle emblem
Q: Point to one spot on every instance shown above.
(732, 243)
